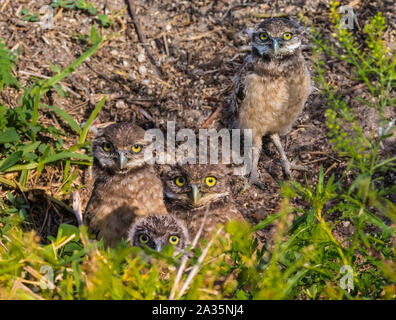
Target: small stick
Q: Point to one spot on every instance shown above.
(18, 284)
(58, 14)
(185, 259)
(64, 86)
(269, 15)
(45, 217)
(230, 8)
(330, 168)
(195, 270)
(3, 246)
(213, 116)
(141, 36)
(5, 5)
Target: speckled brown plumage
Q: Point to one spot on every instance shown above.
(274, 83)
(215, 201)
(121, 192)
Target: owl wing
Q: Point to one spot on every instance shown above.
(239, 80)
(89, 214)
(215, 216)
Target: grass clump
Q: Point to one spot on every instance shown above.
(28, 146)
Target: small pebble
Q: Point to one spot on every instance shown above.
(141, 57)
(142, 70)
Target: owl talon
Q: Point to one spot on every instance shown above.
(288, 166)
(254, 180)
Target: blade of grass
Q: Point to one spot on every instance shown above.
(91, 118)
(64, 116)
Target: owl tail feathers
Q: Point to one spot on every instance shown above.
(77, 207)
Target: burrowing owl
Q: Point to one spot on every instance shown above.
(194, 190)
(125, 185)
(275, 84)
(157, 231)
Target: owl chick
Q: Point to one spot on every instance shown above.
(196, 190)
(276, 84)
(157, 231)
(125, 186)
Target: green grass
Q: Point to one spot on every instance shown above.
(306, 259)
(27, 146)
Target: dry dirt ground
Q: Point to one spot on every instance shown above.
(197, 46)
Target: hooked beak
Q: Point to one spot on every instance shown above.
(158, 248)
(195, 194)
(123, 160)
(275, 45)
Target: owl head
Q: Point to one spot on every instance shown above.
(157, 231)
(275, 38)
(196, 185)
(119, 148)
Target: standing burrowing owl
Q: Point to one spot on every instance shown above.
(125, 185)
(157, 231)
(194, 190)
(276, 84)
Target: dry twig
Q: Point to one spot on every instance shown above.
(141, 36)
(213, 116)
(195, 270)
(185, 259)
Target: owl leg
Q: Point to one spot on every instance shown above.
(286, 164)
(254, 174)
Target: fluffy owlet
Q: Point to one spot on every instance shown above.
(125, 186)
(193, 190)
(274, 83)
(157, 231)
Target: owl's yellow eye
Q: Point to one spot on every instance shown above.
(174, 240)
(107, 147)
(263, 36)
(137, 148)
(210, 181)
(287, 36)
(180, 181)
(144, 238)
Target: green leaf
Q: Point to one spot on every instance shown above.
(91, 118)
(20, 167)
(29, 156)
(10, 161)
(91, 9)
(104, 20)
(55, 68)
(66, 155)
(271, 218)
(64, 116)
(7, 60)
(94, 36)
(7, 182)
(66, 230)
(9, 135)
(29, 147)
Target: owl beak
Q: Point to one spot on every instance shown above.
(275, 45)
(195, 194)
(123, 160)
(158, 248)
